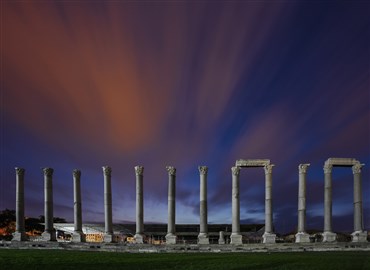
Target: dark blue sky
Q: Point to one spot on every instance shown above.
(185, 83)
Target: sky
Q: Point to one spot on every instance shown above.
(86, 84)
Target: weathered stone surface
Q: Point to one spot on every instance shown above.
(221, 239)
(359, 237)
(329, 237)
(302, 237)
(236, 239)
(269, 238)
(203, 239)
(171, 239)
(252, 162)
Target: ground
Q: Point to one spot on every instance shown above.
(61, 259)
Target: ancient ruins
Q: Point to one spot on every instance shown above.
(269, 237)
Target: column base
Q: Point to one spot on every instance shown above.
(139, 238)
(49, 236)
(302, 237)
(171, 239)
(108, 238)
(329, 237)
(359, 236)
(203, 239)
(236, 239)
(269, 238)
(78, 237)
(20, 236)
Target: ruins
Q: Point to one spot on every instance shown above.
(359, 235)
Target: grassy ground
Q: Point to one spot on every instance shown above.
(59, 259)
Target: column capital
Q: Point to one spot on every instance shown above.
(76, 173)
(19, 171)
(235, 170)
(48, 171)
(357, 168)
(268, 168)
(171, 170)
(303, 167)
(328, 168)
(107, 170)
(203, 170)
(139, 170)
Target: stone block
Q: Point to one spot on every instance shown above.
(19, 236)
(171, 239)
(236, 239)
(269, 238)
(78, 237)
(359, 237)
(302, 237)
(139, 238)
(203, 239)
(49, 236)
(108, 238)
(329, 237)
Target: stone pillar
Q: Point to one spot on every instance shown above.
(358, 235)
(236, 237)
(171, 227)
(108, 235)
(20, 231)
(203, 232)
(49, 233)
(139, 236)
(78, 235)
(268, 236)
(302, 236)
(221, 239)
(328, 235)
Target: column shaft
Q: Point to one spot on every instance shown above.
(108, 237)
(78, 235)
(49, 232)
(20, 231)
(203, 209)
(139, 170)
(302, 236)
(328, 202)
(171, 227)
(268, 203)
(236, 237)
(357, 200)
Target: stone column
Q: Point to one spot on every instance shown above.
(20, 231)
(171, 228)
(359, 235)
(268, 236)
(221, 239)
(236, 237)
(78, 235)
(203, 232)
(108, 235)
(139, 236)
(49, 233)
(302, 236)
(328, 235)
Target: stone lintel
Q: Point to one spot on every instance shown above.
(341, 162)
(252, 162)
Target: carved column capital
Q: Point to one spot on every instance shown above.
(328, 168)
(48, 171)
(357, 168)
(171, 170)
(19, 171)
(268, 168)
(107, 170)
(235, 170)
(139, 170)
(203, 170)
(303, 167)
(76, 173)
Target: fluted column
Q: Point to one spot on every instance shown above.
(268, 236)
(108, 236)
(171, 228)
(328, 235)
(302, 236)
(203, 232)
(236, 237)
(49, 233)
(20, 232)
(358, 235)
(139, 236)
(78, 235)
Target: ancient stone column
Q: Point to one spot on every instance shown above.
(359, 235)
(236, 237)
(78, 235)
(268, 236)
(203, 232)
(171, 227)
(108, 235)
(328, 235)
(221, 238)
(302, 236)
(139, 236)
(20, 231)
(49, 233)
